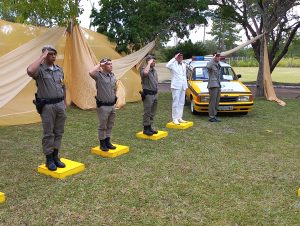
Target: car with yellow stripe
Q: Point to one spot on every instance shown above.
(235, 96)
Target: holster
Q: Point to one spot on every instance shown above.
(143, 95)
(39, 104)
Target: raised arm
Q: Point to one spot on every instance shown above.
(147, 68)
(95, 69)
(33, 68)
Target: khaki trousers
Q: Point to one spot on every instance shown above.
(106, 116)
(53, 120)
(150, 107)
(214, 99)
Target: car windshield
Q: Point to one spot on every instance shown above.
(201, 73)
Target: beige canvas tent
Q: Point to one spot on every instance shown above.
(78, 51)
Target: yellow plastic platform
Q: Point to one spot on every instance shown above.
(159, 135)
(299, 192)
(111, 153)
(182, 125)
(70, 169)
(2, 197)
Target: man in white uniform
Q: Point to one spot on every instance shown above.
(178, 86)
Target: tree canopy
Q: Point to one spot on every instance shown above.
(40, 12)
(275, 17)
(225, 33)
(133, 23)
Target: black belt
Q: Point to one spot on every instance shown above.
(51, 100)
(149, 92)
(101, 103)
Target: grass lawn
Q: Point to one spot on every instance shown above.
(242, 171)
(280, 74)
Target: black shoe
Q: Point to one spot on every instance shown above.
(108, 144)
(147, 131)
(56, 159)
(50, 162)
(153, 131)
(214, 120)
(103, 146)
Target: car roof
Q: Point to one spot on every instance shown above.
(202, 63)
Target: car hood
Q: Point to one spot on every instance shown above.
(226, 87)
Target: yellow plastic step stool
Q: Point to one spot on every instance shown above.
(2, 197)
(111, 153)
(71, 168)
(299, 192)
(159, 135)
(182, 125)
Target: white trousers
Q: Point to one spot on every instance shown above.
(178, 96)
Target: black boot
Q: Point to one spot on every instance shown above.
(50, 162)
(147, 131)
(153, 131)
(108, 144)
(56, 159)
(103, 146)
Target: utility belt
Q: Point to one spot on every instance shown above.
(147, 92)
(41, 102)
(101, 103)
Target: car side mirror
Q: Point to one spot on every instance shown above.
(239, 75)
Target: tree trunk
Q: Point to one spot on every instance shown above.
(260, 75)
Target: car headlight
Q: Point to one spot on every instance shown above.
(244, 98)
(204, 98)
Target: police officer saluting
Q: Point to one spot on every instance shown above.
(214, 86)
(50, 103)
(149, 95)
(106, 100)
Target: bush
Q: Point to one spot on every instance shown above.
(188, 49)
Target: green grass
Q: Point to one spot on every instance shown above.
(242, 171)
(280, 74)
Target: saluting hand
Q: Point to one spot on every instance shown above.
(100, 66)
(45, 53)
(150, 61)
(176, 56)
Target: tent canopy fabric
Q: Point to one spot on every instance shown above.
(78, 52)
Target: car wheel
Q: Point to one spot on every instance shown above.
(193, 108)
(186, 101)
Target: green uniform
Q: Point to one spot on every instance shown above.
(149, 85)
(50, 88)
(214, 87)
(106, 94)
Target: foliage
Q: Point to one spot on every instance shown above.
(133, 23)
(243, 171)
(224, 32)
(250, 62)
(274, 17)
(294, 49)
(187, 48)
(40, 12)
(211, 46)
(241, 61)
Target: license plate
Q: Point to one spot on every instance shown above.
(225, 108)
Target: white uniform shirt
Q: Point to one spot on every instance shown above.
(178, 74)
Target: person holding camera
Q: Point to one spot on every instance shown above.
(149, 94)
(106, 100)
(50, 102)
(178, 86)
